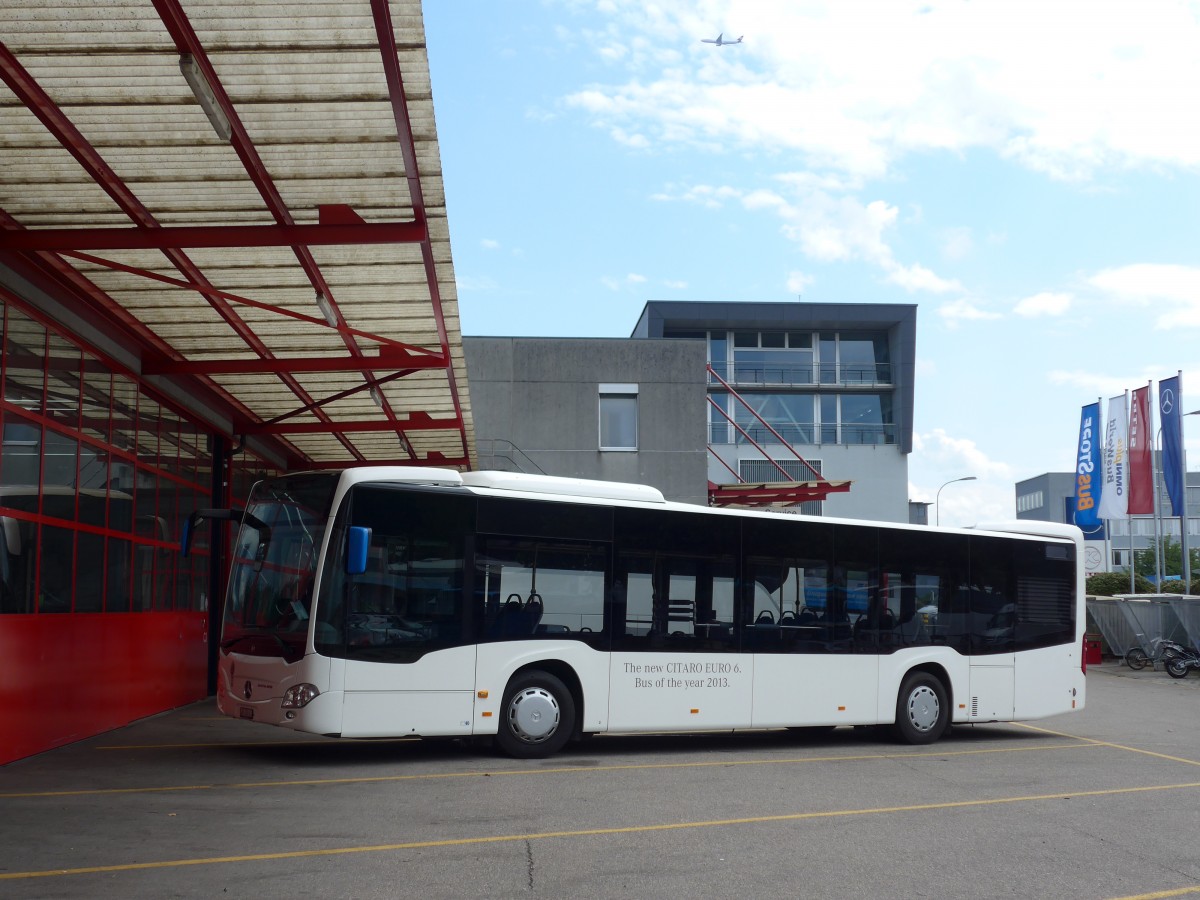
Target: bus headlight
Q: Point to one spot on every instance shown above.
(299, 696)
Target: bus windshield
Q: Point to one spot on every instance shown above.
(275, 560)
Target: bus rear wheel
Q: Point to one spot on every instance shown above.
(537, 716)
(922, 709)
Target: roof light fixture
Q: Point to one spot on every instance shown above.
(327, 310)
(377, 396)
(204, 96)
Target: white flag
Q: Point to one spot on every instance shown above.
(1114, 497)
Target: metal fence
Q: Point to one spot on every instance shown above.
(1114, 627)
(1187, 611)
(1128, 621)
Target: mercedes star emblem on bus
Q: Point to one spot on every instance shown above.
(246, 690)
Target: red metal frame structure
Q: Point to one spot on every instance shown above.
(379, 359)
(223, 253)
(786, 492)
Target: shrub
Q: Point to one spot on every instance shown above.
(1106, 584)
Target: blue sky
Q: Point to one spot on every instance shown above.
(1025, 172)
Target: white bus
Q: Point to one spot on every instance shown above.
(382, 602)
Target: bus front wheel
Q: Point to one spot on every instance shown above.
(537, 718)
(922, 709)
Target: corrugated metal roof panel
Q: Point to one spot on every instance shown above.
(99, 129)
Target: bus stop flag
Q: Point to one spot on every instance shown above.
(1171, 417)
(1087, 465)
(1141, 449)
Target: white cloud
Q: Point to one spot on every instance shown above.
(619, 284)
(489, 244)
(957, 243)
(798, 282)
(675, 285)
(961, 453)
(1171, 292)
(940, 459)
(475, 283)
(1044, 304)
(827, 227)
(1090, 385)
(963, 310)
(1067, 91)
(918, 278)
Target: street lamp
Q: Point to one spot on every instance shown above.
(937, 500)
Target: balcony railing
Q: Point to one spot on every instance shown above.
(857, 435)
(867, 375)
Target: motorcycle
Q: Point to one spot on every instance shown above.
(1180, 659)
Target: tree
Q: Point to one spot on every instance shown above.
(1171, 554)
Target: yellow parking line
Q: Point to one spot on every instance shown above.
(556, 770)
(591, 832)
(1160, 895)
(1179, 759)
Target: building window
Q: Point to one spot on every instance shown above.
(1030, 501)
(618, 416)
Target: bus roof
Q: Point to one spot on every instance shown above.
(582, 489)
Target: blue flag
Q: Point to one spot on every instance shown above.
(1169, 407)
(1087, 464)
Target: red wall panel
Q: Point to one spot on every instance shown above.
(67, 677)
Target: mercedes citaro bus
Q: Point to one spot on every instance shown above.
(385, 602)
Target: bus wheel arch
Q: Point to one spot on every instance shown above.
(540, 711)
(923, 705)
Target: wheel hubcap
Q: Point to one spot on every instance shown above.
(533, 715)
(923, 708)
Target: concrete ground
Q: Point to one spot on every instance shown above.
(1100, 804)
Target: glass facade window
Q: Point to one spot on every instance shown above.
(96, 480)
(843, 418)
(867, 419)
(783, 360)
(854, 358)
(788, 415)
(772, 357)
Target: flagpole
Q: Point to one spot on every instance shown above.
(1128, 515)
(1108, 564)
(1158, 547)
(1154, 488)
(1183, 519)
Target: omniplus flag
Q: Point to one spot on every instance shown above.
(1114, 501)
(1087, 465)
(1141, 450)
(1169, 398)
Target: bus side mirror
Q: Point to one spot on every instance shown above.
(358, 542)
(223, 515)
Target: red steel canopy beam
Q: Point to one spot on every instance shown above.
(417, 421)
(246, 301)
(382, 13)
(763, 494)
(280, 365)
(169, 237)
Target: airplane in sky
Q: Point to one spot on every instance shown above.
(720, 41)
